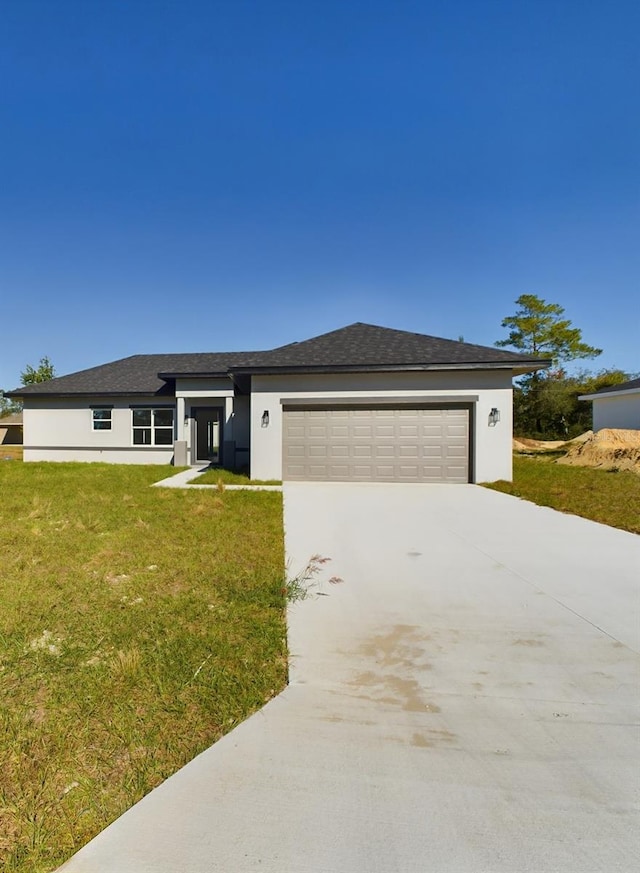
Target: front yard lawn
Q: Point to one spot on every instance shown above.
(611, 498)
(137, 626)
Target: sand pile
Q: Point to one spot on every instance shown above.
(608, 449)
(527, 445)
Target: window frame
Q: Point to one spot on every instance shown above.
(108, 422)
(152, 427)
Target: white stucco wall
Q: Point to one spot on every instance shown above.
(206, 388)
(60, 429)
(622, 411)
(492, 446)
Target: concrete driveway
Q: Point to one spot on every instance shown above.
(465, 700)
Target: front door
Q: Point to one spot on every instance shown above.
(207, 439)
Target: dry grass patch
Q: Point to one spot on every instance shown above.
(11, 453)
(609, 496)
(137, 625)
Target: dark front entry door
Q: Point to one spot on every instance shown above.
(207, 441)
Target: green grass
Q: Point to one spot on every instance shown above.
(611, 498)
(137, 626)
(218, 475)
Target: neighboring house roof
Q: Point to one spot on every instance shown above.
(630, 387)
(357, 347)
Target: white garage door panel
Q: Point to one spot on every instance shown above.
(402, 445)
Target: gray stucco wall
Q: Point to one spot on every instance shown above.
(617, 412)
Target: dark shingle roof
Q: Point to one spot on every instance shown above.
(356, 347)
(135, 375)
(210, 364)
(623, 386)
(368, 346)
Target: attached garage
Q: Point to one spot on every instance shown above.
(377, 444)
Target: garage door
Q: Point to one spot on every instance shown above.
(376, 445)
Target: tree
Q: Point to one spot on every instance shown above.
(8, 406)
(30, 376)
(545, 404)
(563, 415)
(44, 371)
(538, 329)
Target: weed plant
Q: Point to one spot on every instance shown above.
(304, 584)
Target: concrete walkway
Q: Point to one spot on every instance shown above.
(466, 700)
(184, 479)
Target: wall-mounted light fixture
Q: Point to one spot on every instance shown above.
(265, 418)
(494, 417)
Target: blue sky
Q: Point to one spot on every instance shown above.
(194, 176)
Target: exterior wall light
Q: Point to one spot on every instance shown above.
(494, 417)
(265, 418)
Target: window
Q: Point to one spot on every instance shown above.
(152, 427)
(101, 418)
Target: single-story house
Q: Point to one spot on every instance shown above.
(617, 406)
(361, 403)
(11, 430)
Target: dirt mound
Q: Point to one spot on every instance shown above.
(525, 444)
(608, 449)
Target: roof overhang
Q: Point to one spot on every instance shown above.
(216, 374)
(54, 394)
(602, 395)
(240, 375)
(518, 368)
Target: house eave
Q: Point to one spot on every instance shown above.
(518, 368)
(214, 374)
(627, 392)
(97, 393)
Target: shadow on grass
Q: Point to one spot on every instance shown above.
(220, 475)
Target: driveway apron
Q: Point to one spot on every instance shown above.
(464, 699)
